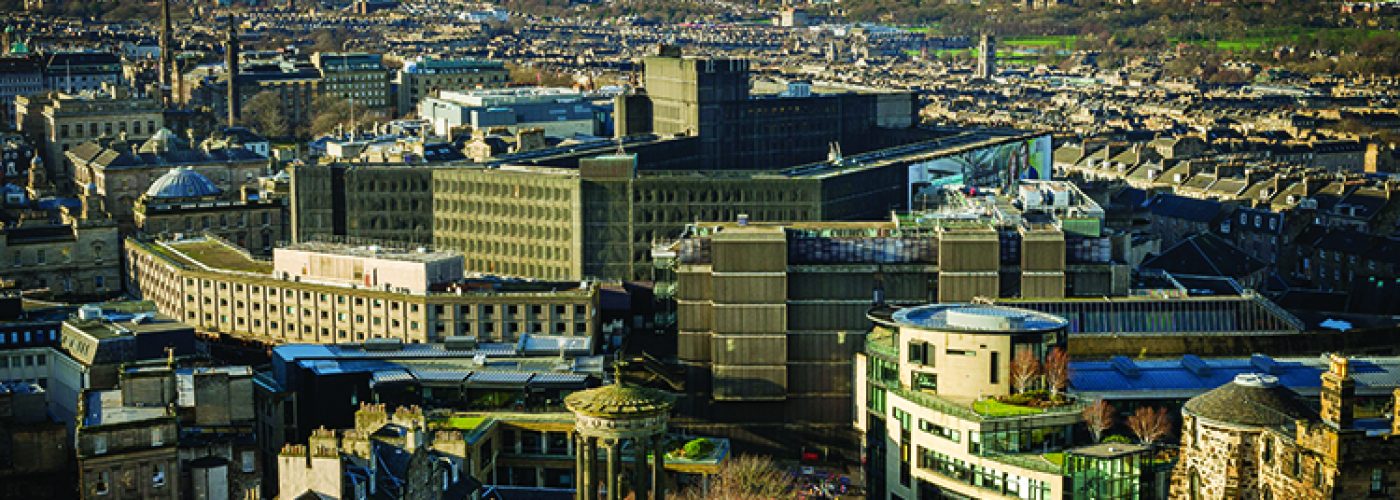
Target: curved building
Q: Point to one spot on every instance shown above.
(929, 379)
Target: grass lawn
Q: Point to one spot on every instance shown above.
(219, 256)
(1057, 458)
(1066, 41)
(994, 408)
(465, 423)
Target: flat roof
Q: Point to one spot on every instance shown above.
(977, 318)
(1185, 377)
(119, 325)
(213, 254)
(106, 408)
(420, 254)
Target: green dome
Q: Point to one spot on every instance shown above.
(619, 400)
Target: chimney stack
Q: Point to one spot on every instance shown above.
(235, 103)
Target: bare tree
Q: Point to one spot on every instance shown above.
(1149, 425)
(1024, 369)
(1099, 417)
(745, 477)
(1057, 370)
(263, 112)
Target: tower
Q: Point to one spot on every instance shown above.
(166, 57)
(987, 57)
(607, 417)
(235, 103)
(1338, 394)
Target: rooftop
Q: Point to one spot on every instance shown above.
(106, 408)
(619, 400)
(420, 254)
(212, 254)
(977, 318)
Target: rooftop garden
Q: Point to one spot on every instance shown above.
(217, 255)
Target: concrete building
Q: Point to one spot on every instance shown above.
(597, 213)
(123, 171)
(62, 121)
(424, 77)
(710, 99)
(184, 202)
(357, 77)
(923, 385)
(1253, 438)
(559, 112)
(334, 293)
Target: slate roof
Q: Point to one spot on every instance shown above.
(1192, 209)
(1246, 401)
(1206, 254)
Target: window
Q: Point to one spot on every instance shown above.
(101, 486)
(247, 458)
(926, 381)
(994, 372)
(158, 476)
(1377, 481)
(919, 353)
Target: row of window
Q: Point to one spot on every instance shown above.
(107, 129)
(1004, 483)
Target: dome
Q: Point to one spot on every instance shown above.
(1252, 399)
(182, 183)
(619, 401)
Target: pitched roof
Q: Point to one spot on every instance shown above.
(1206, 254)
(1192, 209)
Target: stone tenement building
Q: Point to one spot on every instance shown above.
(64, 121)
(72, 253)
(122, 171)
(1253, 438)
(184, 202)
(332, 293)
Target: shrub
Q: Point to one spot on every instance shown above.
(698, 447)
(1118, 438)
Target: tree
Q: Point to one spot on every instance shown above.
(1057, 370)
(1025, 367)
(1099, 417)
(1149, 425)
(329, 111)
(745, 477)
(263, 113)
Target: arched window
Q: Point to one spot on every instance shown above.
(1194, 491)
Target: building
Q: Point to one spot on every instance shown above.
(22, 75)
(926, 387)
(605, 211)
(424, 77)
(314, 387)
(16, 154)
(710, 99)
(440, 452)
(185, 202)
(1254, 438)
(559, 112)
(62, 121)
(122, 170)
(329, 293)
(168, 432)
(357, 77)
(71, 253)
(76, 72)
(987, 57)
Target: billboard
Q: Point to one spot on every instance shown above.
(997, 166)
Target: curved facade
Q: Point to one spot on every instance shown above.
(932, 428)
